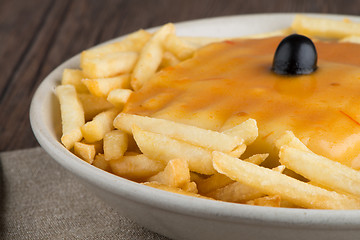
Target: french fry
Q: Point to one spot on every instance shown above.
(238, 151)
(168, 60)
(257, 159)
(164, 149)
(197, 136)
(190, 187)
(108, 65)
(175, 174)
(287, 204)
(96, 129)
(101, 87)
(235, 192)
(218, 181)
(98, 146)
(289, 139)
(101, 163)
(150, 57)
(246, 130)
(136, 167)
(351, 39)
(326, 172)
(133, 42)
(274, 183)
(173, 190)
(72, 115)
(279, 168)
(196, 177)
(180, 48)
(93, 105)
(115, 144)
(355, 163)
(119, 97)
(85, 151)
(74, 77)
(325, 28)
(213, 182)
(267, 201)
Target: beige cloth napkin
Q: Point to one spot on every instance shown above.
(41, 200)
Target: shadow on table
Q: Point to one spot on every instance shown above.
(2, 202)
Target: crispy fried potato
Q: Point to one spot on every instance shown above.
(101, 163)
(246, 130)
(197, 136)
(150, 56)
(190, 187)
(213, 182)
(351, 39)
(235, 192)
(289, 139)
(218, 180)
(175, 174)
(72, 115)
(85, 151)
(98, 146)
(267, 201)
(180, 48)
(93, 105)
(96, 129)
(164, 149)
(257, 158)
(238, 151)
(74, 77)
(136, 167)
(133, 42)
(173, 189)
(101, 87)
(326, 172)
(119, 97)
(108, 65)
(274, 183)
(279, 168)
(115, 144)
(168, 60)
(325, 28)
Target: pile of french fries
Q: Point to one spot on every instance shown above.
(187, 159)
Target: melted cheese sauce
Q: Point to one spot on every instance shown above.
(229, 82)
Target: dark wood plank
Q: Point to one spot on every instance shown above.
(37, 35)
(15, 101)
(17, 34)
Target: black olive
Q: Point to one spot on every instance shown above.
(295, 55)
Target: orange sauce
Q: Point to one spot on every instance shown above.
(231, 81)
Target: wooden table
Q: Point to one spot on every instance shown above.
(38, 35)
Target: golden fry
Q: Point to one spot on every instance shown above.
(150, 56)
(164, 149)
(175, 174)
(115, 144)
(72, 115)
(85, 151)
(96, 129)
(274, 183)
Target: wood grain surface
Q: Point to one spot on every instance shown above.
(38, 35)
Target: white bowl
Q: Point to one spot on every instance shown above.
(183, 217)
